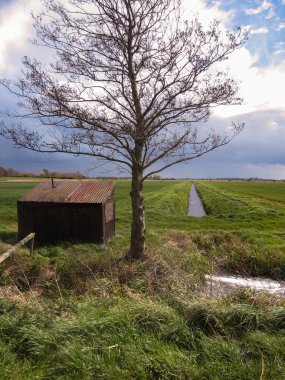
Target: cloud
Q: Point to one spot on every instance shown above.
(4, 3)
(15, 29)
(278, 52)
(270, 14)
(207, 14)
(254, 11)
(207, 167)
(25, 160)
(261, 88)
(281, 26)
(252, 30)
(262, 30)
(258, 151)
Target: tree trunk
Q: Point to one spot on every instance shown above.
(137, 247)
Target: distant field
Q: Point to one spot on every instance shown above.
(271, 191)
(243, 199)
(10, 192)
(231, 206)
(20, 179)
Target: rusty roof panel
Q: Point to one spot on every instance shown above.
(71, 192)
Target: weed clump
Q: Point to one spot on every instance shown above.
(229, 252)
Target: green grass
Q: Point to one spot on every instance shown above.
(273, 191)
(258, 223)
(97, 316)
(10, 192)
(125, 339)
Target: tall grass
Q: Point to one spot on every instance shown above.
(121, 339)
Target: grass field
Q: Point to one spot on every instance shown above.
(79, 311)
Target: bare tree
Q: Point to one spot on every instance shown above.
(129, 80)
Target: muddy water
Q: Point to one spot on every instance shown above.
(221, 284)
(195, 207)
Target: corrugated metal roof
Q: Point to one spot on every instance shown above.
(70, 192)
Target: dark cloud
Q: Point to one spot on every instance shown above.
(262, 141)
(257, 152)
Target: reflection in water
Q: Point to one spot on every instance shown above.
(223, 284)
(195, 207)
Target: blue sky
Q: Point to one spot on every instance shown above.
(259, 67)
(5, 2)
(267, 22)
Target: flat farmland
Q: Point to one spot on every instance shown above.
(256, 203)
(257, 190)
(80, 311)
(252, 211)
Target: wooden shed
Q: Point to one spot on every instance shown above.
(58, 210)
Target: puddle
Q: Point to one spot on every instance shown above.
(223, 284)
(195, 207)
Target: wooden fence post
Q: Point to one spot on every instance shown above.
(18, 245)
(32, 245)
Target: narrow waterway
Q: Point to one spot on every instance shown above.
(220, 284)
(195, 205)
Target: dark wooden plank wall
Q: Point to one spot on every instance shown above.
(54, 222)
(25, 219)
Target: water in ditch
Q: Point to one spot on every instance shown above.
(221, 284)
(195, 205)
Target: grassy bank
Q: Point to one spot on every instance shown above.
(253, 214)
(79, 311)
(126, 338)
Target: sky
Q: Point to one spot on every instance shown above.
(259, 67)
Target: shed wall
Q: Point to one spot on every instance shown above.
(54, 222)
(109, 219)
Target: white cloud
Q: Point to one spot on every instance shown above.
(261, 88)
(281, 26)
(259, 31)
(16, 26)
(273, 125)
(206, 14)
(263, 7)
(251, 30)
(278, 52)
(279, 44)
(15, 29)
(271, 14)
